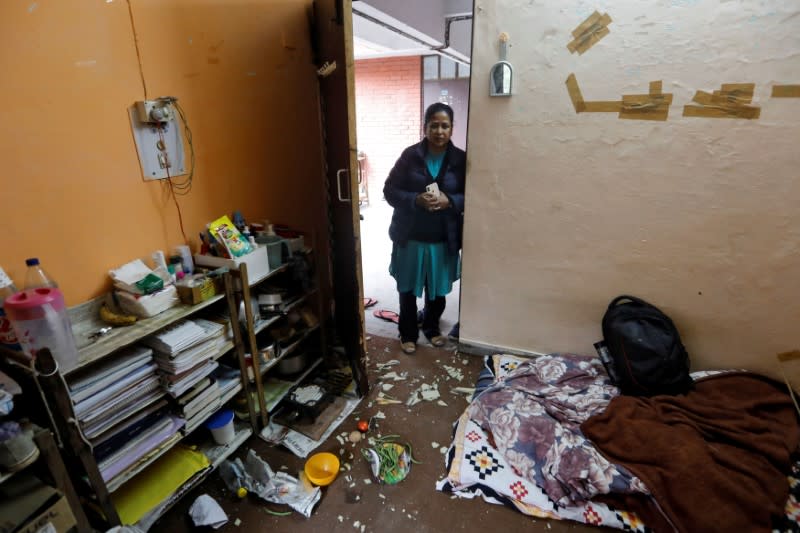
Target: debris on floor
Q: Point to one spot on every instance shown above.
(388, 364)
(205, 511)
(385, 399)
(463, 391)
(395, 376)
(454, 373)
(255, 475)
(425, 392)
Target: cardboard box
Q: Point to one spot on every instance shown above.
(58, 516)
(28, 506)
(257, 262)
(207, 288)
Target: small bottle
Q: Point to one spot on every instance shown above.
(36, 277)
(608, 362)
(7, 336)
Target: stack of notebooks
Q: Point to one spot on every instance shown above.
(185, 352)
(120, 408)
(200, 402)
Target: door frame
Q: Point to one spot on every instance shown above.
(332, 38)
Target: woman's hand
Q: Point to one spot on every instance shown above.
(432, 202)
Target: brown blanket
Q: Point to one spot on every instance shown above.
(715, 459)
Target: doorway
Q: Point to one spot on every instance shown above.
(405, 59)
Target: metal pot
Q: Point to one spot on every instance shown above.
(292, 364)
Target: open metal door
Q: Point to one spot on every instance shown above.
(332, 31)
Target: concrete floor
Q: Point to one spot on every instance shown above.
(413, 504)
(376, 251)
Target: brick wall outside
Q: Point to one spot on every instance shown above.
(388, 109)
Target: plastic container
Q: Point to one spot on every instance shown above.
(221, 426)
(7, 336)
(322, 468)
(186, 258)
(40, 320)
(36, 277)
(277, 250)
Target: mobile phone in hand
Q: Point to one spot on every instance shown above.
(433, 188)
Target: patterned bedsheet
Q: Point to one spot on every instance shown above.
(490, 465)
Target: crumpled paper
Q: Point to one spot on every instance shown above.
(257, 477)
(205, 511)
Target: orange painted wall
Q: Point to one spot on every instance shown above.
(72, 189)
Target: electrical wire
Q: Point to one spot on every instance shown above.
(167, 164)
(136, 45)
(185, 186)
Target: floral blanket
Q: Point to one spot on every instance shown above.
(534, 415)
(523, 449)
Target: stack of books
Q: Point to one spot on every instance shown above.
(121, 411)
(200, 402)
(185, 353)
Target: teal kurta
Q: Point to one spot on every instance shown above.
(425, 264)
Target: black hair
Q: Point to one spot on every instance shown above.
(437, 107)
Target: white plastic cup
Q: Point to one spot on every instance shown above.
(221, 426)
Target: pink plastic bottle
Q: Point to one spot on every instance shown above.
(40, 320)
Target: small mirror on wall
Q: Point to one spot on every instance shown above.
(500, 79)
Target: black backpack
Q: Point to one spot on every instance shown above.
(642, 352)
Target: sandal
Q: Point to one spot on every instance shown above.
(438, 341)
(385, 314)
(369, 302)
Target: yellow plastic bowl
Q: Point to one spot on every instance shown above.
(322, 468)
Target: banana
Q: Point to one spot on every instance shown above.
(115, 319)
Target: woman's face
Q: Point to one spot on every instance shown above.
(438, 130)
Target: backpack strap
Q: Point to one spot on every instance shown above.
(622, 298)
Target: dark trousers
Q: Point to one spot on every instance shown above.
(409, 330)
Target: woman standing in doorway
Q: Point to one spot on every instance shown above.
(426, 190)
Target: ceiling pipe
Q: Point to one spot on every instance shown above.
(438, 49)
(447, 22)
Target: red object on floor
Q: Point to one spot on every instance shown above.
(385, 314)
(369, 302)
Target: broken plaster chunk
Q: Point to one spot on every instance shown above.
(237, 522)
(340, 518)
(355, 436)
(367, 481)
(387, 386)
(454, 373)
(380, 415)
(357, 524)
(443, 450)
(341, 451)
(363, 527)
(381, 496)
(434, 444)
(442, 403)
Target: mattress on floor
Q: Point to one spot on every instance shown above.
(475, 467)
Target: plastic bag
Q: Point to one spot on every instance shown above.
(225, 232)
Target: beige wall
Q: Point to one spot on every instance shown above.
(72, 189)
(699, 216)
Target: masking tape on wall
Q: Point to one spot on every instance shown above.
(729, 102)
(589, 32)
(575, 94)
(651, 106)
(786, 91)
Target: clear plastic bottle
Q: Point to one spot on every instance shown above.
(36, 277)
(7, 336)
(234, 478)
